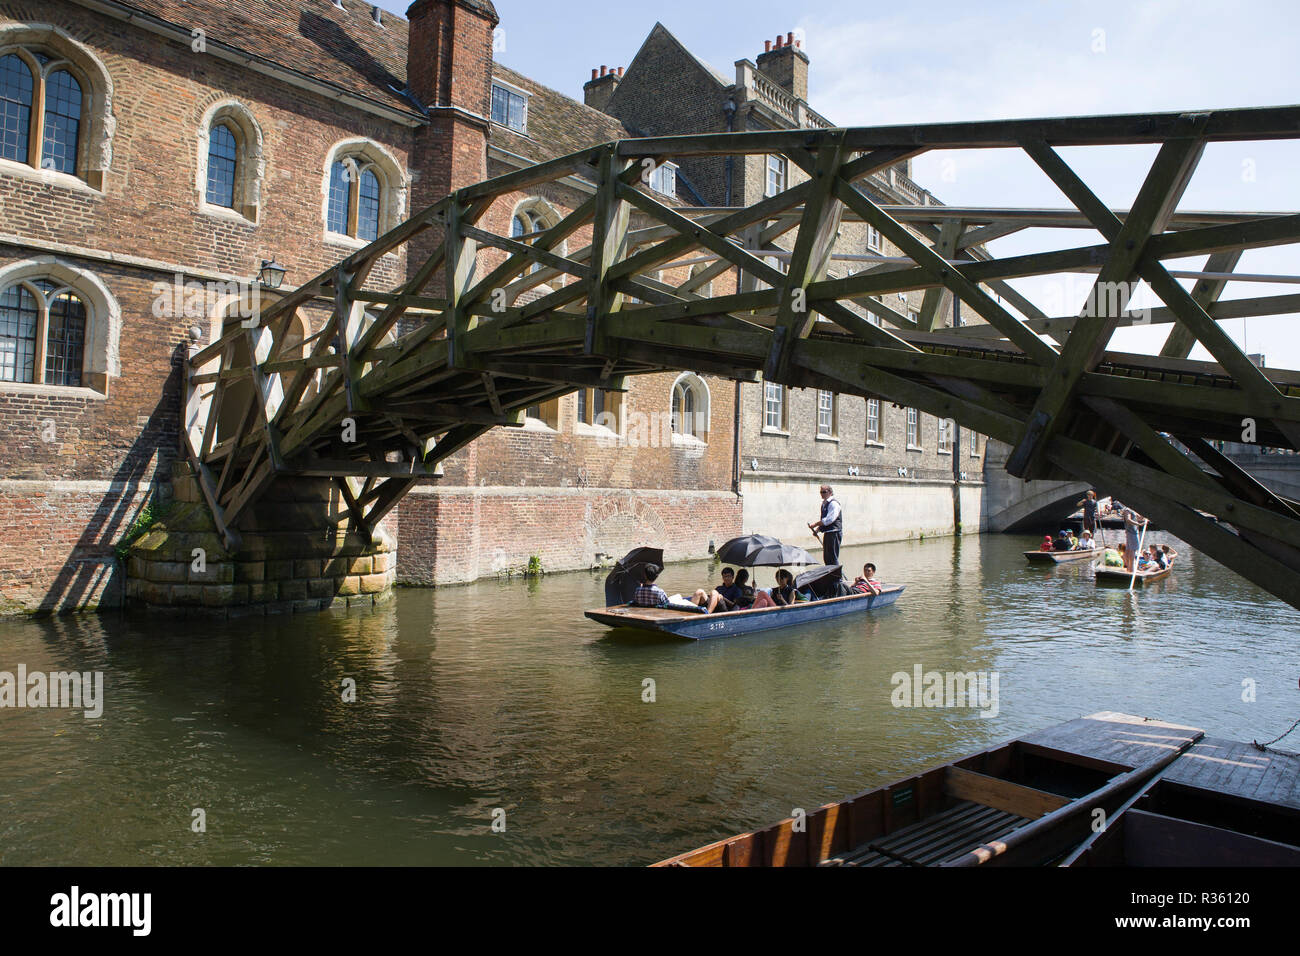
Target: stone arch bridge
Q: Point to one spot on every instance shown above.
(399, 378)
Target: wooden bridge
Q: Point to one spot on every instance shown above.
(399, 378)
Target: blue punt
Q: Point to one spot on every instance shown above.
(696, 626)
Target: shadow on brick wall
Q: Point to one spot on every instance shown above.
(93, 570)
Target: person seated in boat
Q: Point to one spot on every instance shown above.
(1047, 543)
(1062, 542)
(649, 594)
(784, 594)
(747, 591)
(1074, 541)
(1085, 542)
(1169, 554)
(725, 596)
(1157, 557)
(867, 583)
(1113, 557)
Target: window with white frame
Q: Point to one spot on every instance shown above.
(664, 179)
(873, 238)
(509, 107)
(825, 413)
(872, 317)
(945, 435)
(914, 315)
(974, 444)
(776, 175)
(355, 198)
(774, 406)
(522, 227)
(690, 407)
(913, 429)
(873, 420)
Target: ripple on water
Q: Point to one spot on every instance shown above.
(501, 697)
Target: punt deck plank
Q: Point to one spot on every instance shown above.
(1238, 769)
(1117, 738)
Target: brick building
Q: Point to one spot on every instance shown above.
(899, 472)
(154, 154)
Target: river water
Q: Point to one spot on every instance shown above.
(499, 701)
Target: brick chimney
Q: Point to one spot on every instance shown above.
(786, 64)
(449, 70)
(596, 92)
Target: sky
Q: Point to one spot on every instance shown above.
(909, 63)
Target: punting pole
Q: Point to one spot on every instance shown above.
(1141, 540)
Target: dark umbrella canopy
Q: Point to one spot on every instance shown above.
(762, 551)
(621, 583)
(824, 580)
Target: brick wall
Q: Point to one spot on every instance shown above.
(450, 535)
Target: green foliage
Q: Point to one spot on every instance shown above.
(534, 566)
(152, 512)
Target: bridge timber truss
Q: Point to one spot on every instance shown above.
(424, 368)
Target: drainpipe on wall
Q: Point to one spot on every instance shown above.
(956, 444)
(735, 443)
(729, 108)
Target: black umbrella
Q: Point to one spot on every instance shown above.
(762, 551)
(622, 582)
(824, 580)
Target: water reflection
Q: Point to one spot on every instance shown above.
(499, 695)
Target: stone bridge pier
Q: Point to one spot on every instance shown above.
(1012, 505)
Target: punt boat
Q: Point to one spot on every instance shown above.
(1061, 557)
(1223, 803)
(1119, 578)
(1029, 802)
(696, 625)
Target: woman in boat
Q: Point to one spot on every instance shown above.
(1157, 557)
(1133, 523)
(746, 593)
(1085, 542)
(1047, 543)
(1169, 554)
(784, 593)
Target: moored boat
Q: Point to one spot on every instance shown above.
(1193, 814)
(1119, 578)
(1027, 802)
(1061, 557)
(696, 626)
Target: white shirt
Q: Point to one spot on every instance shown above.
(832, 512)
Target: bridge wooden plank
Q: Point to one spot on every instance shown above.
(1180, 341)
(956, 280)
(937, 297)
(1156, 200)
(811, 254)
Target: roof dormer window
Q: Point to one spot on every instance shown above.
(664, 179)
(509, 106)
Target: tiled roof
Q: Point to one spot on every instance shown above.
(347, 48)
(557, 125)
(343, 47)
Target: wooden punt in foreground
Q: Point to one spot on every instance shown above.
(1119, 578)
(1028, 802)
(1223, 803)
(696, 626)
(1061, 557)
